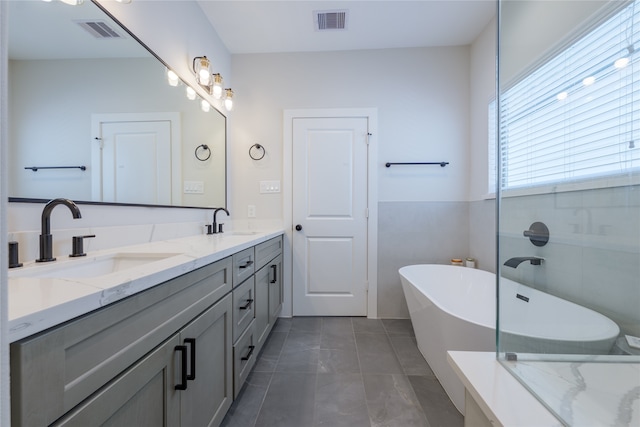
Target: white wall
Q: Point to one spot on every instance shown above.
(4, 331)
(422, 98)
(482, 218)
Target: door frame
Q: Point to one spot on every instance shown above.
(176, 147)
(371, 114)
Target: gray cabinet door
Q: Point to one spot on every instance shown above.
(209, 395)
(275, 289)
(261, 307)
(56, 370)
(142, 396)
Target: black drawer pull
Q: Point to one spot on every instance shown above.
(192, 344)
(274, 267)
(247, 264)
(244, 307)
(182, 349)
(251, 347)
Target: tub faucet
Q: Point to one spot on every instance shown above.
(515, 262)
(46, 239)
(216, 228)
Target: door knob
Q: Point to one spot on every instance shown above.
(298, 227)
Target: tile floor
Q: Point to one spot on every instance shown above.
(342, 371)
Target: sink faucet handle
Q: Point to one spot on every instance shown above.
(77, 246)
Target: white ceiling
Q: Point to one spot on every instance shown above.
(266, 26)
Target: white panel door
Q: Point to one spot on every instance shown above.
(330, 216)
(136, 162)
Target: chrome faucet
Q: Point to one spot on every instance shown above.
(515, 262)
(46, 239)
(218, 228)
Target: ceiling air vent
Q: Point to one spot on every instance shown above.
(100, 29)
(330, 19)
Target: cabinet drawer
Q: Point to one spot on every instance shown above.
(243, 266)
(243, 307)
(244, 356)
(266, 251)
(53, 371)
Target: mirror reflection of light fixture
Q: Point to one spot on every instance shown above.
(228, 99)
(73, 2)
(191, 94)
(172, 78)
(217, 86)
(205, 106)
(202, 70)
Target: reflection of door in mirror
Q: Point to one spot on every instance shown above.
(50, 118)
(136, 158)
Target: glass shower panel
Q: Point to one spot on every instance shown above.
(568, 155)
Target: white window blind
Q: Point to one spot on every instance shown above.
(578, 115)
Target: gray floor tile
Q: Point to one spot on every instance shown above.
(306, 324)
(410, 358)
(300, 353)
(337, 340)
(283, 324)
(289, 402)
(398, 326)
(338, 361)
(376, 354)
(337, 325)
(367, 326)
(392, 402)
(340, 401)
(246, 407)
(435, 403)
(270, 354)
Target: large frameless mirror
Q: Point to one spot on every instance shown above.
(93, 118)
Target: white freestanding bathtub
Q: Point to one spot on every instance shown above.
(454, 308)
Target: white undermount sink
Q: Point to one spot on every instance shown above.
(90, 266)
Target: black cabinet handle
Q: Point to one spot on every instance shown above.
(247, 264)
(251, 347)
(274, 267)
(246, 306)
(192, 344)
(182, 349)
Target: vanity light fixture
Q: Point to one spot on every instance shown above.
(228, 99)
(217, 86)
(202, 70)
(204, 104)
(172, 78)
(191, 94)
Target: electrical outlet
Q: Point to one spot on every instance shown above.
(251, 211)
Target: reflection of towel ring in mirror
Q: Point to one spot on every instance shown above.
(206, 148)
(257, 148)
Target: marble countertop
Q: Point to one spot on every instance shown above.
(595, 390)
(38, 303)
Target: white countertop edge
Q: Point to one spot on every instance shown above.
(504, 401)
(98, 292)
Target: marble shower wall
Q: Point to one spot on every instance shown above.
(593, 254)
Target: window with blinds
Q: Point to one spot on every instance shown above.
(576, 117)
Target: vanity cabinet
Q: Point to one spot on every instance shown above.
(157, 392)
(176, 354)
(54, 371)
(268, 285)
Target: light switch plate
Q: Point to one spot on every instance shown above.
(269, 187)
(193, 187)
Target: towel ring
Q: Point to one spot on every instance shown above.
(204, 147)
(256, 147)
